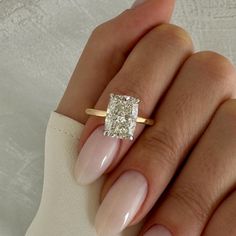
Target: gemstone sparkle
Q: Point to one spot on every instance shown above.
(122, 113)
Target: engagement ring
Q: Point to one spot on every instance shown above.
(121, 116)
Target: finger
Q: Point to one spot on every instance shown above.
(223, 221)
(145, 75)
(207, 178)
(204, 82)
(106, 52)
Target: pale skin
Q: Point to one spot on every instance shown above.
(190, 95)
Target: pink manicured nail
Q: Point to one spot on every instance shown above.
(121, 203)
(158, 230)
(95, 156)
(137, 3)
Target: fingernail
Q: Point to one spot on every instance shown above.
(158, 230)
(137, 3)
(121, 203)
(95, 156)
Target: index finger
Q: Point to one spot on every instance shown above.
(105, 53)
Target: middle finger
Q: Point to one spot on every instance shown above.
(204, 82)
(205, 181)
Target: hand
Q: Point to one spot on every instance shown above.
(192, 142)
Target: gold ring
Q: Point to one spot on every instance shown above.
(121, 116)
(101, 113)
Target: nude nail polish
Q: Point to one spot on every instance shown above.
(158, 230)
(95, 156)
(121, 203)
(137, 3)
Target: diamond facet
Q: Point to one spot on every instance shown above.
(122, 113)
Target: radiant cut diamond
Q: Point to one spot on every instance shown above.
(122, 113)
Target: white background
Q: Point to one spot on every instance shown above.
(40, 43)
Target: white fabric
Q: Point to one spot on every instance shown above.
(66, 208)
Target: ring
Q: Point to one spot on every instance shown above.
(121, 116)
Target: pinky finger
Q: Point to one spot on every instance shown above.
(223, 222)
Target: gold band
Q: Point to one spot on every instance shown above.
(100, 113)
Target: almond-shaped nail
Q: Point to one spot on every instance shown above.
(158, 230)
(137, 3)
(95, 156)
(121, 203)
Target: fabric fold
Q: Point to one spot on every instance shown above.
(66, 209)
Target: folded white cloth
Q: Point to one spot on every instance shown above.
(66, 209)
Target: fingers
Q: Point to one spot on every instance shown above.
(223, 221)
(144, 75)
(207, 178)
(106, 52)
(204, 82)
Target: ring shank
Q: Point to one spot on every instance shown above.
(101, 113)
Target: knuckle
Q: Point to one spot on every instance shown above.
(175, 35)
(103, 43)
(228, 111)
(162, 144)
(99, 35)
(114, 26)
(97, 32)
(216, 66)
(189, 199)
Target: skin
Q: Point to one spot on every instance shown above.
(192, 144)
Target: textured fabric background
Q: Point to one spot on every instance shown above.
(40, 42)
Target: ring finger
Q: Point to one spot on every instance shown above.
(146, 74)
(204, 82)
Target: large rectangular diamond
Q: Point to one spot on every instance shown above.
(122, 113)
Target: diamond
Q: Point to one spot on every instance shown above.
(122, 113)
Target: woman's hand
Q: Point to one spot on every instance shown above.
(192, 142)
